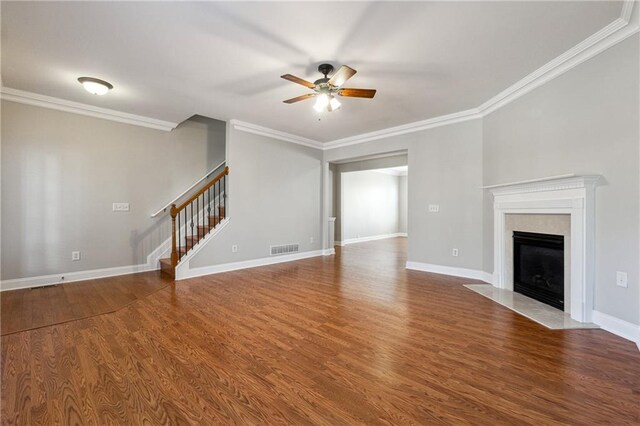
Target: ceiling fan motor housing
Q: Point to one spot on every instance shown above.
(325, 69)
(322, 84)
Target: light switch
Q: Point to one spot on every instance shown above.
(120, 207)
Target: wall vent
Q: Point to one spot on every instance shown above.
(284, 249)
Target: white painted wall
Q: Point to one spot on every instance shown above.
(61, 172)
(370, 204)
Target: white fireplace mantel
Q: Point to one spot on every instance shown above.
(567, 194)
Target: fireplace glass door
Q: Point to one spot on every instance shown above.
(538, 267)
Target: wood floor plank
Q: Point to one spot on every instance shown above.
(27, 309)
(352, 338)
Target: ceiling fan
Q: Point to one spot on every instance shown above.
(326, 89)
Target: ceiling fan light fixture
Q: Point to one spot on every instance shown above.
(95, 86)
(321, 103)
(326, 90)
(334, 104)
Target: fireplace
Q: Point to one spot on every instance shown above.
(559, 195)
(538, 267)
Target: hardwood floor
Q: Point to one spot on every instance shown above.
(351, 338)
(27, 309)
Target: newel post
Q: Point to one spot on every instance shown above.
(174, 248)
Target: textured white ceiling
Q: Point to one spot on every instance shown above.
(223, 60)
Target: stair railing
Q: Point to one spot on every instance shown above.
(188, 190)
(195, 215)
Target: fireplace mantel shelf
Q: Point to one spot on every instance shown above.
(550, 183)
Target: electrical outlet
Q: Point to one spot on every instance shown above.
(434, 208)
(234, 248)
(120, 207)
(311, 240)
(75, 255)
(621, 279)
(454, 252)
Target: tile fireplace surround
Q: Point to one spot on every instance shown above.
(568, 194)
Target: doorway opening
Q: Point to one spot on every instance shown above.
(369, 199)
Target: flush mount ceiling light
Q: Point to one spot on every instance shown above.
(95, 85)
(327, 89)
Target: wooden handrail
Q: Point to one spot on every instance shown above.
(186, 191)
(212, 220)
(202, 190)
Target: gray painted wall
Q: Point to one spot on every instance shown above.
(216, 134)
(585, 122)
(332, 191)
(403, 206)
(445, 168)
(370, 204)
(61, 172)
(274, 198)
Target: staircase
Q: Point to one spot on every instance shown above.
(194, 219)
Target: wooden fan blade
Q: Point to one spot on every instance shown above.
(299, 98)
(343, 74)
(298, 80)
(357, 93)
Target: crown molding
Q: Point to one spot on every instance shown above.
(417, 126)
(607, 37)
(627, 8)
(612, 34)
(275, 134)
(29, 98)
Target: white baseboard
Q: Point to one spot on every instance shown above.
(152, 265)
(371, 238)
(449, 270)
(617, 326)
(185, 273)
(487, 277)
(42, 280)
(163, 250)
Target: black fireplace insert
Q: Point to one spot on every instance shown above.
(538, 267)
